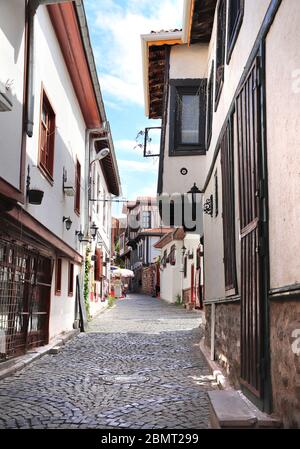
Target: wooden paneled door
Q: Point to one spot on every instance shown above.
(249, 112)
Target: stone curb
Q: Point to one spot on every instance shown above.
(218, 375)
(12, 366)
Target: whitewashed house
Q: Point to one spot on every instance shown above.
(226, 88)
(52, 127)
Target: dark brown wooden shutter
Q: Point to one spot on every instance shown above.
(98, 264)
(227, 162)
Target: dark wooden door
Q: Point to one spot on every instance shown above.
(248, 109)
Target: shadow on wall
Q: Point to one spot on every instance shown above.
(13, 10)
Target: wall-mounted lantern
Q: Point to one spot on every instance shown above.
(94, 229)
(79, 235)
(68, 223)
(208, 207)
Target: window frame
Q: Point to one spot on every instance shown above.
(185, 259)
(231, 40)
(172, 255)
(220, 51)
(228, 209)
(47, 169)
(71, 279)
(216, 182)
(189, 87)
(77, 197)
(210, 106)
(58, 276)
(147, 220)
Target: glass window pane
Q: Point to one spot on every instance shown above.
(190, 119)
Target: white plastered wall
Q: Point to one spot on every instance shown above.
(12, 34)
(51, 73)
(283, 147)
(183, 66)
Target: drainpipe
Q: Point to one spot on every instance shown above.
(32, 9)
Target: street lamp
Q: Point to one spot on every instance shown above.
(94, 229)
(68, 222)
(194, 191)
(79, 235)
(101, 155)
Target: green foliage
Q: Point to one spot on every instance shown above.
(86, 289)
(178, 300)
(111, 301)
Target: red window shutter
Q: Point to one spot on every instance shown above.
(98, 264)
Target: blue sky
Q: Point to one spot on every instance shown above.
(115, 27)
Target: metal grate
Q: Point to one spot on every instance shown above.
(25, 283)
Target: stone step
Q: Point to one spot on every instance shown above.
(231, 409)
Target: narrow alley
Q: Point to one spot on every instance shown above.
(139, 366)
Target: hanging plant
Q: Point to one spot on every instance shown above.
(86, 288)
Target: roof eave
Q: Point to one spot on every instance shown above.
(155, 39)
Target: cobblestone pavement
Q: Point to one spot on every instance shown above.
(139, 366)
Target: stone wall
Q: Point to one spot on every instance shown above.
(148, 280)
(227, 338)
(285, 360)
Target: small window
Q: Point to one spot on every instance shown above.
(172, 255)
(210, 106)
(164, 259)
(98, 269)
(235, 19)
(228, 206)
(77, 187)
(71, 279)
(58, 277)
(104, 209)
(187, 117)
(216, 195)
(220, 50)
(146, 224)
(185, 267)
(47, 137)
(98, 193)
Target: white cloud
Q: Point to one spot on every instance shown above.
(125, 145)
(119, 59)
(137, 166)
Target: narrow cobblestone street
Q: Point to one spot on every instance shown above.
(139, 366)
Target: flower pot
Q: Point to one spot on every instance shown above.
(35, 196)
